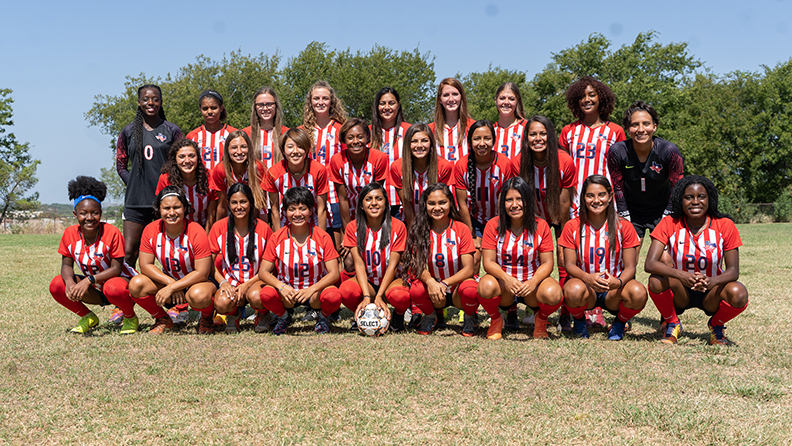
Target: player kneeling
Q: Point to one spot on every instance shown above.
(700, 240)
(98, 248)
(601, 261)
(306, 263)
(182, 248)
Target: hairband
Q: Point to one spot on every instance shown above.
(212, 93)
(83, 197)
(169, 194)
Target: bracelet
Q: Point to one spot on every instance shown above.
(444, 284)
(221, 283)
(282, 287)
(92, 279)
(367, 296)
(621, 284)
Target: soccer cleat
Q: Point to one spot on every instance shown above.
(310, 315)
(232, 323)
(281, 324)
(335, 315)
(565, 323)
(161, 325)
(86, 323)
(468, 325)
(219, 321)
(540, 328)
(173, 313)
(495, 330)
(130, 325)
(595, 318)
(322, 324)
(616, 332)
(580, 328)
(440, 324)
(672, 333)
(512, 323)
(427, 324)
(117, 316)
(396, 323)
(717, 336)
(206, 326)
(262, 322)
(461, 317)
(353, 326)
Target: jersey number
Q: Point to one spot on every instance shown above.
(600, 255)
(587, 148)
(450, 153)
(483, 193)
(507, 259)
(373, 258)
(242, 265)
(173, 264)
(440, 260)
(301, 270)
(148, 152)
(691, 263)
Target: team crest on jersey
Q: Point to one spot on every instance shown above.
(329, 136)
(656, 168)
(222, 138)
(450, 242)
(311, 253)
(183, 248)
(528, 243)
(710, 246)
(160, 137)
(98, 255)
(602, 137)
(366, 173)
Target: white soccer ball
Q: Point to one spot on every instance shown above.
(371, 321)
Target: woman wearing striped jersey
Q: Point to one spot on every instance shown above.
(387, 135)
(418, 169)
(299, 265)
(266, 126)
(704, 247)
(212, 134)
(510, 125)
(184, 169)
(239, 166)
(376, 241)
(237, 243)
(517, 253)
(98, 249)
(478, 178)
(182, 248)
(439, 261)
(601, 261)
(451, 120)
(296, 169)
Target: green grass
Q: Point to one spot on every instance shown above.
(180, 388)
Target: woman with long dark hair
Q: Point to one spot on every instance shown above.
(387, 135)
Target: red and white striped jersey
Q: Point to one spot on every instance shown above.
(394, 150)
(342, 171)
(589, 149)
(176, 255)
(421, 180)
(211, 144)
(488, 185)
(300, 266)
(376, 259)
(266, 148)
(702, 252)
(328, 143)
(244, 268)
(518, 255)
(446, 250)
(200, 202)
(96, 257)
(508, 140)
(567, 179)
(217, 178)
(596, 255)
(279, 179)
(448, 150)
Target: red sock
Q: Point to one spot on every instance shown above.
(344, 276)
(149, 303)
(208, 311)
(562, 276)
(546, 310)
(271, 300)
(665, 305)
(399, 297)
(351, 294)
(117, 292)
(420, 297)
(726, 313)
(330, 301)
(576, 312)
(469, 296)
(491, 306)
(625, 314)
(181, 307)
(58, 290)
(414, 308)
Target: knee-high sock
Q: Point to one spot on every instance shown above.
(491, 306)
(149, 303)
(665, 305)
(117, 292)
(330, 301)
(577, 312)
(625, 314)
(399, 297)
(546, 310)
(58, 290)
(726, 313)
(271, 300)
(469, 296)
(351, 294)
(420, 297)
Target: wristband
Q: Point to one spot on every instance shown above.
(444, 284)
(91, 279)
(367, 296)
(621, 284)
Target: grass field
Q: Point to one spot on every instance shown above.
(301, 388)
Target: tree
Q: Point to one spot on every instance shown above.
(17, 167)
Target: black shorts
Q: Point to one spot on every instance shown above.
(101, 294)
(336, 223)
(141, 216)
(600, 302)
(478, 227)
(695, 300)
(396, 212)
(642, 223)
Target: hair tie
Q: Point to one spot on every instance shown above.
(83, 197)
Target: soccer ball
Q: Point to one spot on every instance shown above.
(371, 321)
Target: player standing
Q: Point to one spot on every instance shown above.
(510, 126)
(387, 135)
(451, 120)
(212, 134)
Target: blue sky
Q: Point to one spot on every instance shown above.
(58, 55)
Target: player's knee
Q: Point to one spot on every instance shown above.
(57, 286)
(136, 285)
(736, 295)
(575, 293)
(488, 287)
(656, 284)
(551, 291)
(635, 293)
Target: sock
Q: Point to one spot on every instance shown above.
(469, 296)
(665, 305)
(399, 297)
(546, 310)
(625, 314)
(330, 301)
(149, 303)
(351, 294)
(58, 291)
(576, 312)
(562, 276)
(491, 306)
(420, 297)
(726, 313)
(271, 300)
(344, 276)
(117, 292)
(207, 312)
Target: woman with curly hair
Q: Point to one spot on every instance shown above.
(704, 247)
(451, 120)
(98, 249)
(439, 261)
(184, 169)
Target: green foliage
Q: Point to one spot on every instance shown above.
(480, 89)
(17, 167)
(115, 187)
(782, 208)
